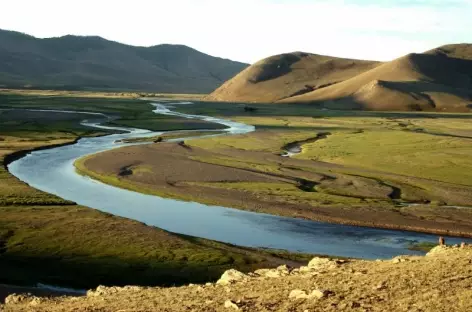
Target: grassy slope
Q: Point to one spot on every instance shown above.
(46, 239)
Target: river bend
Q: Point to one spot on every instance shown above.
(52, 171)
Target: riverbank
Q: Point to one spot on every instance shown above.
(194, 174)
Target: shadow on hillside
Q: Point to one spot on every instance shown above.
(275, 66)
(84, 272)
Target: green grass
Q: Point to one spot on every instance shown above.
(129, 112)
(422, 246)
(289, 193)
(173, 135)
(81, 247)
(46, 239)
(446, 159)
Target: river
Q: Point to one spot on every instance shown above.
(52, 171)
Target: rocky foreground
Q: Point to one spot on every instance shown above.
(440, 281)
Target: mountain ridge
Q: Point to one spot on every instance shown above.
(93, 62)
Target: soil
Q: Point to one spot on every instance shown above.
(440, 281)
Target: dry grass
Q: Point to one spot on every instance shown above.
(438, 282)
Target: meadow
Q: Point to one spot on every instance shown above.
(386, 169)
(46, 239)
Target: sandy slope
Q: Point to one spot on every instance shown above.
(412, 82)
(441, 281)
(285, 75)
(437, 80)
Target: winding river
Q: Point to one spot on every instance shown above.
(52, 171)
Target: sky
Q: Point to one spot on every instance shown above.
(249, 30)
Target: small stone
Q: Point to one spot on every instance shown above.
(380, 286)
(229, 304)
(298, 294)
(283, 268)
(305, 269)
(208, 284)
(14, 298)
(398, 259)
(231, 276)
(321, 263)
(318, 294)
(35, 301)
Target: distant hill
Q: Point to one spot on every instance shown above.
(283, 76)
(440, 79)
(74, 62)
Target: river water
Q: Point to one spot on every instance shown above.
(52, 171)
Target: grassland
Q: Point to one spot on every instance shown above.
(369, 171)
(124, 111)
(46, 239)
(173, 136)
(100, 94)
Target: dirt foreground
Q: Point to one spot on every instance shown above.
(440, 281)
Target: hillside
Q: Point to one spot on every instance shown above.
(440, 281)
(73, 62)
(282, 76)
(437, 80)
(440, 79)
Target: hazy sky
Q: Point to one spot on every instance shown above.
(248, 30)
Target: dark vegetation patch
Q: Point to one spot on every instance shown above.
(422, 246)
(296, 147)
(84, 248)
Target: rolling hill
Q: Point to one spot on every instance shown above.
(283, 76)
(440, 79)
(75, 63)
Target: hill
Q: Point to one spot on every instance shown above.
(440, 281)
(440, 79)
(437, 80)
(77, 63)
(283, 76)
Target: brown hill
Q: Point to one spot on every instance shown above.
(78, 63)
(286, 75)
(440, 79)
